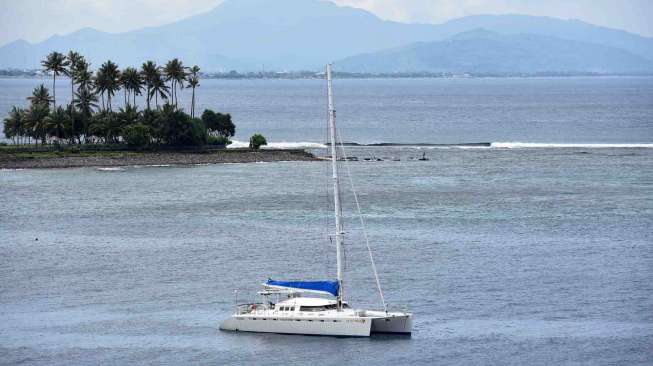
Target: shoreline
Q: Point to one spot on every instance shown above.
(363, 76)
(62, 160)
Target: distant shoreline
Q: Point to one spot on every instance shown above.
(310, 75)
(57, 159)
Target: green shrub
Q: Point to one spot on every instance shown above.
(137, 135)
(197, 134)
(218, 122)
(256, 141)
(179, 129)
(218, 141)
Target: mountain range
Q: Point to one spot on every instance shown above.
(485, 52)
(249, 35)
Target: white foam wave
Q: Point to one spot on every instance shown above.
(280, 145)
(494, 145)
(539, 145)
(447, 147)
(235, 144)
(295, 145)
(111, 169)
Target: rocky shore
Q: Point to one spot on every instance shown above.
(36, 160)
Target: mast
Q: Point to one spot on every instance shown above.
(336, 184)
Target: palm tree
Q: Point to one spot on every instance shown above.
(159, 88)
(176, 74)
(106, 126)
(85, 87)
(135, 84)
(86, 103)
(76, 64)
(132, 83)
(74, 60)
(193, 82)
(56, 123)
(107, 81)
(35, 121)
(128, 116)
(83, 76)
(148, 72)
(39, 109)
(56, 63)
(15, 124)
(40, 95)
(124, 84)
(100, 83)
(98, 126)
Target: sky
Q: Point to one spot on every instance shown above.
(37, 20)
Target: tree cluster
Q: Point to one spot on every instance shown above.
(91, 118)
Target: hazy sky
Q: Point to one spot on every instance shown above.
(36, 20)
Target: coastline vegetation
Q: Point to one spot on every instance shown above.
(307, 74)
(256, 141)
(92, 117)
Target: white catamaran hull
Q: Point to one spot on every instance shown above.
(399, 323)
(328, 327)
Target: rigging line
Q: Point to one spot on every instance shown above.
(327, 180)
(362, 221)
(344, 243)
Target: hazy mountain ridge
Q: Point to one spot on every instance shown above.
(249, 35)
(482, 51)
(574, 30)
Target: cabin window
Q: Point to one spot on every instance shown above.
(317, 308)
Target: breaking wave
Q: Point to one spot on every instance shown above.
(111, 169)
(538, 145)
(474, 145)
(280, 145)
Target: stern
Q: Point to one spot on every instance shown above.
(397, 323)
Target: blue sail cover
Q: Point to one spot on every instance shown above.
(330, 287)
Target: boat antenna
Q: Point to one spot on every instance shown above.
(336, 186)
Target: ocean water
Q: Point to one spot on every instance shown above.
(531, 254)
(542, 110)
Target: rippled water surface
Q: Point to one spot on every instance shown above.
(528, 256)
(590, 110)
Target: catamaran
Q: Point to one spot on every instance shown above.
(298, 310)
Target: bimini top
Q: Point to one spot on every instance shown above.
(323, 287)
